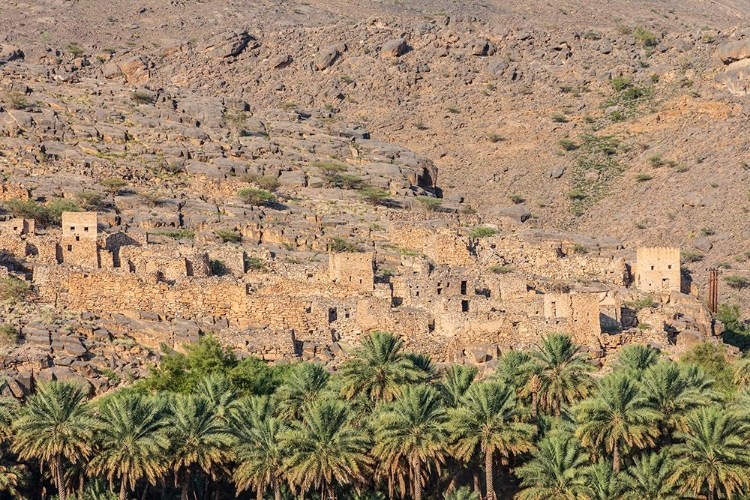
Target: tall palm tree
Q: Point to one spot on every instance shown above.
(563, 371)
(513, 368)
(741, 373)
(130, 440)
(412, 429)
(648, 478)
(8, 409)
(220, 393)
(636, 358)
(556, 471)
(199, 440)
(488, 421)
(423, 363)
(617, 418)
(674, 390)
(602, 482)
(455, 382)
(324, 448)
(520, 369)
(379, 369)
(713, 455)
(55, 426)
(305, 385)
(259, 453)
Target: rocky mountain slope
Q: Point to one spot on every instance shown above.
(625, 120)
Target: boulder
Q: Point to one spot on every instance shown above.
(497, 66)
(329, 55)
(703, 244)
(556, 172)
(135, 70)
(10, 53)
(111, 70)
(394, 48)
(736, 77)
(517, 213)
(227, 44)
(734, 51)
(480, 47)
(281, 62)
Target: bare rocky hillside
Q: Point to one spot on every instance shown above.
(592, 125)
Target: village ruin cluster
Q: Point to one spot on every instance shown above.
(455, 297)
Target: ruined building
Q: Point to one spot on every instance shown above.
(464, 300)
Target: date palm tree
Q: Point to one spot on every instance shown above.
(617, 418)
(674, 391)
(556, 471)
(55, 426)
(380, 369)
(741, 373)
(218, 390)
(713, 455)
(562, 374)
(259, 454)
(636, 358)
(648, 478)
(602, 482)
(130, 440)
(305, 385)
(324, 448)
(199, 440)
(8, 409)
(413, 430)
(488, 421)
(455, 382)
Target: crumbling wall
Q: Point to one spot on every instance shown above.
(170, 262)
(232, 258)
(17, 227)
(14, 191)
(353, 270)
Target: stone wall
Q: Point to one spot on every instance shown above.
(658, 269)
(13, 191)
(353, 270)
(169, 262)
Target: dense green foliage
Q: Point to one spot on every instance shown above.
(388, 424)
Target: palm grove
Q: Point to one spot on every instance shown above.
(389, 424)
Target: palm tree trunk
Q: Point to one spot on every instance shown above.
(417, 479)
(616, 457)
(710, 493)
(477, 486)
(489, 480)
(145, 491)
(534, 405)
(59, 479)
(259, 494)
(124, 487)
(185, 493)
